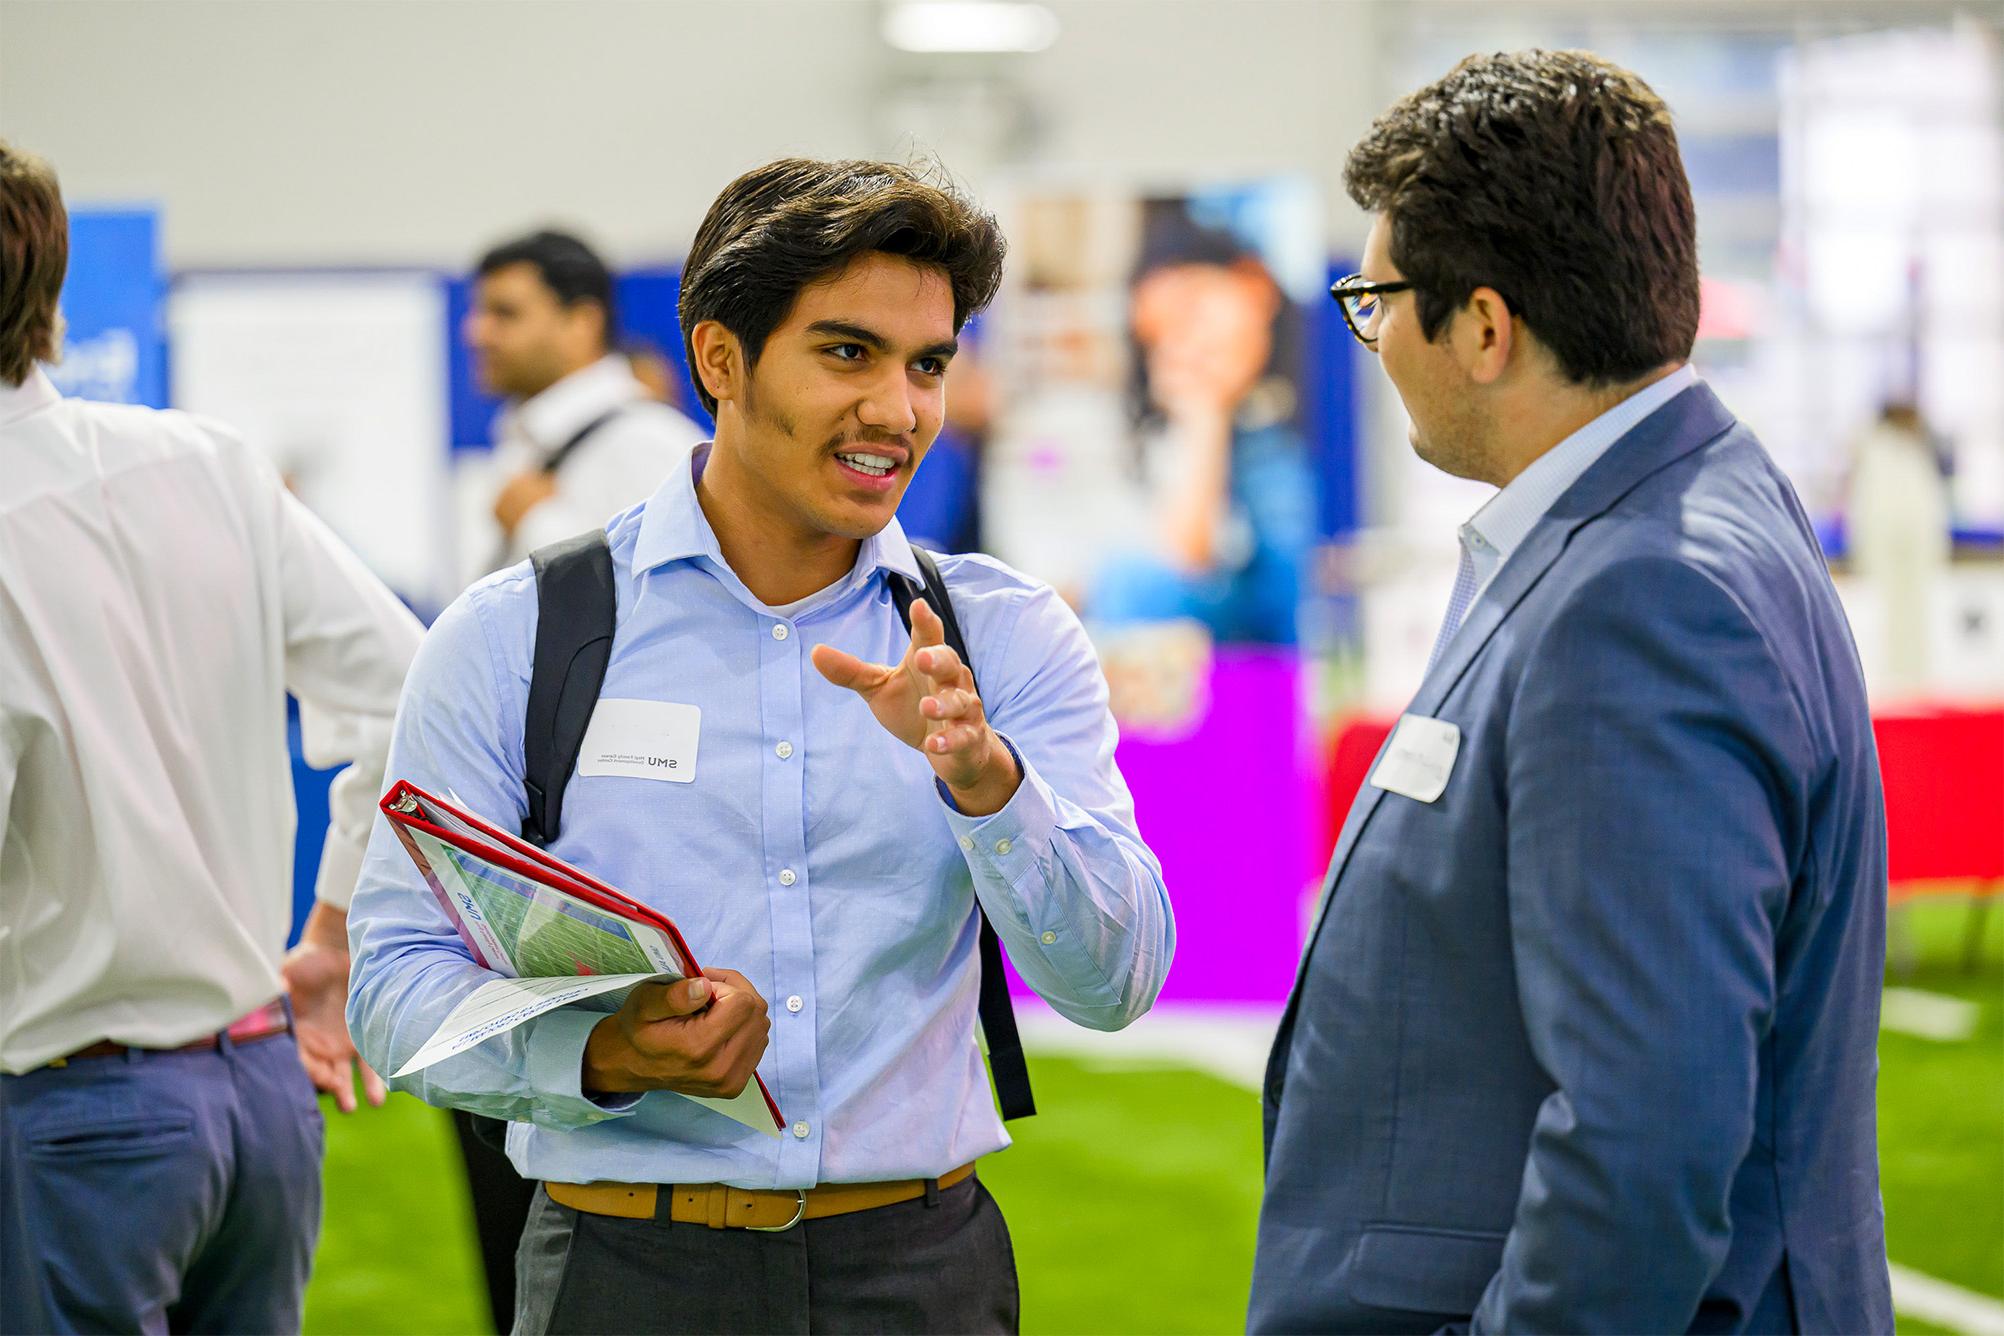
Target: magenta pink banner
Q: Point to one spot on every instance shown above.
(1235, 812)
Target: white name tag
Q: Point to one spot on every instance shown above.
(642, 739)
(1419, 759)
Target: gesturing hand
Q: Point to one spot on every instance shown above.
(928, 702)
(695, 1036)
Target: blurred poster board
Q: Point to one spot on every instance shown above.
(113, 351)
(1149, 455)
(341, 377)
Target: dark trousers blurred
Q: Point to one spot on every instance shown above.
(501, 1200)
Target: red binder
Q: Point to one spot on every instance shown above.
(410, 808)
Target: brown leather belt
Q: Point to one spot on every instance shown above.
(722, 1207)
(268, 1020)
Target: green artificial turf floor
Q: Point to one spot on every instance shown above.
(1133, 1195)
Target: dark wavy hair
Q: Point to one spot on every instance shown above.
(1554, 178)
(781, 227)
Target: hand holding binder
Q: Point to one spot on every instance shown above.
(560, 936)
(696, 1037)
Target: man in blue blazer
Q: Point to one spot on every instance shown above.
(1584, 1036)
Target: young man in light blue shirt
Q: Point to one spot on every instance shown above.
(850, 798)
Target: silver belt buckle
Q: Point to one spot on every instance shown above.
(799, 1210)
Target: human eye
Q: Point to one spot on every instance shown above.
(846, 352)
(933, 367)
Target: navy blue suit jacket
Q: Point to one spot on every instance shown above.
(1589, 1042)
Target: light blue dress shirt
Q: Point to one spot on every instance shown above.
(1501, 526)
(812, 852)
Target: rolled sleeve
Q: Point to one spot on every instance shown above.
(348, 644)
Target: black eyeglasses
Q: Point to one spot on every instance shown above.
(1361, 305)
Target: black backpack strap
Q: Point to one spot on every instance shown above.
(998, 1014)
(569, 447)
(575, 611)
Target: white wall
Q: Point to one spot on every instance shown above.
(338, 132)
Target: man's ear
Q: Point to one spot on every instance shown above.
(1484, 335)
(718, 360)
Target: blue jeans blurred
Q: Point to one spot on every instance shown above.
(169, 1191)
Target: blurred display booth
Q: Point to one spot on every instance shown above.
(1153, 455)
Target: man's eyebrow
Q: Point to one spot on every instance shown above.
(843, 329)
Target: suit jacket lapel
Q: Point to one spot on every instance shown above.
(1665, 436)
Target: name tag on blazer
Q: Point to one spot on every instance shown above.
(1419, 758)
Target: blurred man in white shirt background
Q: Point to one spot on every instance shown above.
(581, 438)
(160, 592)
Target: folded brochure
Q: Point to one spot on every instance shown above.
(558, 934)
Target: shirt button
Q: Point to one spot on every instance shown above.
(801, 1130)
(1003, 846)
(779, 631)
(787, 877)
(966, 842)
(783, 750)
(1048, 938)
(794, 1003)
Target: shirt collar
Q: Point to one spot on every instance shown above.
(31, 395)
(1512, 513)
(673, 527)
(560, 412)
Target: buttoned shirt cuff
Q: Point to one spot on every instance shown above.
(946, 794)
(555, 1045)
(1002, 848)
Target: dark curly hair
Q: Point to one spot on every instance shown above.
(781, 227)
(1554, 178)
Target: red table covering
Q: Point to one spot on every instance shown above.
(1944, 778)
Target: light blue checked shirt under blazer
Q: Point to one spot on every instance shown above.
(1500, 527)
(813, 853)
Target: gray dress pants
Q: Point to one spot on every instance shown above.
(939, 1264)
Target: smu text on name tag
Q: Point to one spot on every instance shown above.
(642, 739)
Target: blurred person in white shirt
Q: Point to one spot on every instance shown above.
(581, 438)
(160, 592)
(1899, 531)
